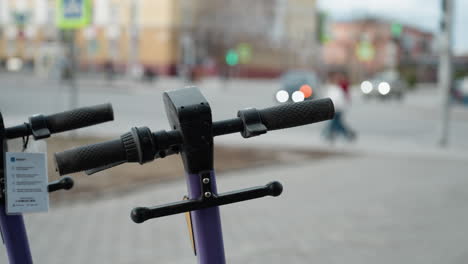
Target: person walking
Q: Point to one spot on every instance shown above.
(344, 84)
(340, 97)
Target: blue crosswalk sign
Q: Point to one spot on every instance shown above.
(72, 14)
(72, 9)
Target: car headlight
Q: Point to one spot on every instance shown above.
(282, 96)
(384, 88)
(366, 87)
(297, 96)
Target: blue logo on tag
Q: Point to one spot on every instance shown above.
(13, 159)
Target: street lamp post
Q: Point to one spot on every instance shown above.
(133, 39)
(30, 33)
(445, 75)
(11, 34)
(113, 35)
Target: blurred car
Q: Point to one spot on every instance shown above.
(297, 85)
(460, 91)
(14, 64)
(385, 85)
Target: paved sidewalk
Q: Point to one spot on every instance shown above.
(356, 209)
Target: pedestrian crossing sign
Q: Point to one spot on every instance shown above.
(73, 14)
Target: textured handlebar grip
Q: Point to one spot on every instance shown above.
(78, 118)
(90, 156)
(297, 114)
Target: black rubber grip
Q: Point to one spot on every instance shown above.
(297, 114)
(78, 118)
(90, 156)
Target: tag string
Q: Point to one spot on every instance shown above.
(25, 140)
(25, 143)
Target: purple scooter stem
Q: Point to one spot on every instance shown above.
(206, 224)
(15, 238)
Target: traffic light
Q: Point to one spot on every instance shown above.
(396, 29)
(232, 58)
(365, 51)
(244, 51)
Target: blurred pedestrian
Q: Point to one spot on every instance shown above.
(339, 96)
(110, 70)
(344, 84)
(66, 71)
(149, 74)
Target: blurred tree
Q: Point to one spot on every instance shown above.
(279, 33)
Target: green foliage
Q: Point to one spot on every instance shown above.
(461, 73)
(409, 75)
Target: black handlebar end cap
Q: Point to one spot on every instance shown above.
(139, 214)
(67, 183)
(276, 188)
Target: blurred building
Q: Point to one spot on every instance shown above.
(267, 36)
(370, 45)
(24, 26)
(166, 35)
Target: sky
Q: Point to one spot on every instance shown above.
(423, 13)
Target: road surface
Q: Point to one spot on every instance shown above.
(408, 125)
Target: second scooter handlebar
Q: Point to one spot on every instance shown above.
(141, 145)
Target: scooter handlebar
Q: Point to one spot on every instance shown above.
(297, 114)
(78, 118)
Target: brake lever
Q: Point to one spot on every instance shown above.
(98, 169)
(160, 154)
(163, 153)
